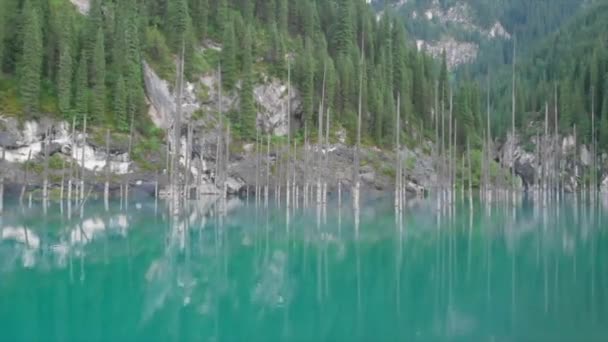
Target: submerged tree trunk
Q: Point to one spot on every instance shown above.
(25, 178)
(45, 176)
(320, 138)
(2, 184)
(82, 170)
(356, 176)
(106, 188)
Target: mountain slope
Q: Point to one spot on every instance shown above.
(478, 32)
(573, 61)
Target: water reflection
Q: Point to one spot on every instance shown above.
(228, 270)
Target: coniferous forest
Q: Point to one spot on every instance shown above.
(58, 62)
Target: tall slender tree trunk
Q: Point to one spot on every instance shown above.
(320, 138)
(177, 127)
(106, 188)
(357, 177)
(513, 122)
(2, 183)
(45, 177)
(82, 160)
(398, 172)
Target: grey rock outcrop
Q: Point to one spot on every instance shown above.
(270, 96)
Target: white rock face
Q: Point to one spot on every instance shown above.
(83, 6)
(271, 97)
(457, 53)
(30, 145)
(604, 185)
(162, 100)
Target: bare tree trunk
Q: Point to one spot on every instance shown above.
(2, 184)
(266, 192)
(470, 175)
(129, 160)
(327, 123)
(593, 147)
(188, 162)
(449, 150)
(257, 166)
(227, 162)
(106, 188)
(82, 169)
(73, 159)
(513, 122)
(545, 154)
(45, 177)
(398, 172)
(177, 128)
(320, 138)
(436, 145)
(306, 166)
(357, 177)
(25, 178)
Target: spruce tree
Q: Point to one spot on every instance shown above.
(99, 77)
(120, 105)
(64, 78)
(305, 70)
(604, 121)
(31, 60)
(81, 100)
(248, 113)
(178, 22)
(282, 15)
(199, 10)
(228, 57)
(344, 34)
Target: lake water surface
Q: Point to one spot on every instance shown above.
(528, 273)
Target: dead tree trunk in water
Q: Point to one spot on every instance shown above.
(593, 147)
(470, 175)
(45, 176)
(84, 144)
(73, 159)
(266, 191)
(106, 188)
(513, 123)
(357, 178)
(324, 200)
(2, 184)
(398, 172)
(320, 138)
(177, 128)
(129, 160)
(225, 192)
(25, 178)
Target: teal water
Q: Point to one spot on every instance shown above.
(496, 274)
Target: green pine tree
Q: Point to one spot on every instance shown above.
(81, 97)
(99, 79)
(344, 34)
(248, 113)
(64, 79)
(228, 57)
(30, 68)
(603, 135)
(178, 22)
(199, 10)
(282, 15)
(120, 108)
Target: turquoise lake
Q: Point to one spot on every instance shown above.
(497, 273)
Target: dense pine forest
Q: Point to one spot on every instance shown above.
(58, 62)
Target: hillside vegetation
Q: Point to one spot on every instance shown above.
(58, 62)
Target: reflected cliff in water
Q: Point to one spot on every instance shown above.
(239, 271)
